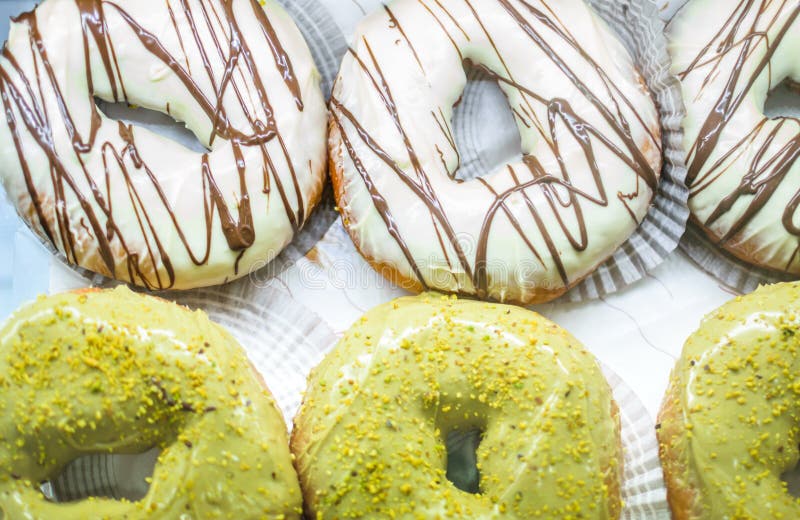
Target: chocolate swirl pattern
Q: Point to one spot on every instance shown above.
(743, 175)
(124, 202)
(533, 228)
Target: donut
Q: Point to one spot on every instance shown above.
(122, 201)
(743, 175)
(370, 438)
(729, 425)
(116, 372)
(532, 228)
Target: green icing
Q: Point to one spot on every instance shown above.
(117, 372)
(369, 440)
(737, 397)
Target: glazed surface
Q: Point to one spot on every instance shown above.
(743, 170)
(532, 228)
(369, 440)
(116, 372)
(730, 424)
(122, 201)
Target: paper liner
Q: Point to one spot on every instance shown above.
(285, 341)
(327, 45)
(736, 274)
(643, 488)
(641, 31)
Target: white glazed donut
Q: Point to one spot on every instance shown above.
(743, 176)
(533, 228)
(122, 201)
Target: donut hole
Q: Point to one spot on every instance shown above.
(484, 127)
(462, 459)
(155, 121)
(783, 100)
(792, 479)
(103, 475)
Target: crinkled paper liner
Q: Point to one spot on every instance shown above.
(643, 488)
(736, 274)
(638, 25)
(285, 341)
(327, 45)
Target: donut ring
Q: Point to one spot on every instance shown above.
(369, 439)
(730, 421)
(533, 228)
(124, 202)
(116, 372)
(743, 174)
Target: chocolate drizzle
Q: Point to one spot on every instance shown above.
(239, 87)
(563, 199)
(739, 53)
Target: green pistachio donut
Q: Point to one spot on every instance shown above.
(369, 440)
(117, 372)
(730, 422)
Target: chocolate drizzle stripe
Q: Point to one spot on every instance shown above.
(453, 20)
(441, 24)
(513, 219)
(282, 60)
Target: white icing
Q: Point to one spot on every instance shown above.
(424, 93)
(150, 83)
(762, 239)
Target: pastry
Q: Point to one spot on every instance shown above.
(534, 227)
